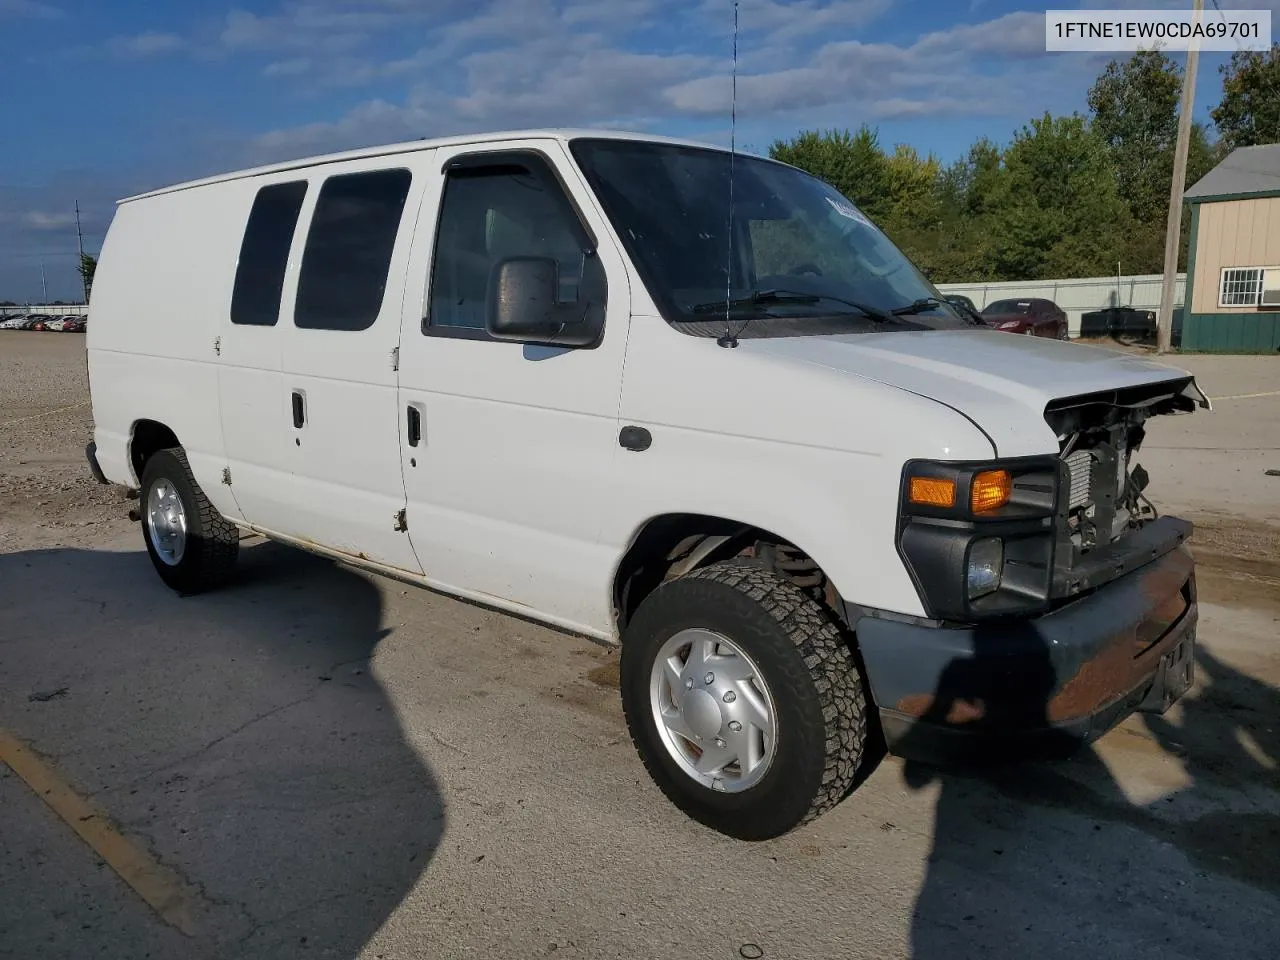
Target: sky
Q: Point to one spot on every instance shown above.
(101, 100)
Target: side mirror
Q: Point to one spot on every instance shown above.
(523, 306)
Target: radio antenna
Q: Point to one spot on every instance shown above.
(728, 338)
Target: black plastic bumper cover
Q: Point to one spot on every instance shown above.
(1043, 685)
(91, 454)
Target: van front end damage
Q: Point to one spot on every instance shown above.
(1100, 618)
(1041, 686)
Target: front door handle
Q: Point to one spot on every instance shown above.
(299, 410)
(415, 425)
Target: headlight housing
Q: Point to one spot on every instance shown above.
(985, 568)
(979, 538)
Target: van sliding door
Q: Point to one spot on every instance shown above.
(247, 347)
(338, 403)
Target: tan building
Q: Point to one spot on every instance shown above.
(1233, 268)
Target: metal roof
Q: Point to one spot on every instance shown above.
(424, 144)
(1246, 170)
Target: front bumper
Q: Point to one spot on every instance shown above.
(1040, 686)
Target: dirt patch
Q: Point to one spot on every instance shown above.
(605, 675)
(1237, 561)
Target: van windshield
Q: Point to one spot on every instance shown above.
(792, 233)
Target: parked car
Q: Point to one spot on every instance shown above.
(965, 306)
(506, 368)
(1032, 316)
(13, 322)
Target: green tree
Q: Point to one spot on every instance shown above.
(1249, 113)
(1134, 106)
(852, 163)
(86, 269)
(966, 194)
(1058, 211)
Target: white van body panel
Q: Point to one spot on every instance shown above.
(156, 305)
(515, 472)
(343, 486)
(1000, 380)
(818, 462)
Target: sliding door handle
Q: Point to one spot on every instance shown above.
(299, 409)
(414, 425)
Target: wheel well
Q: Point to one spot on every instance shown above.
(672, 545)
(149, 436)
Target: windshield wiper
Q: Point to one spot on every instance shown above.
(765, 297)
(928, 303)
(917, 306)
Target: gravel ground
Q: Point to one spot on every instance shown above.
(340, 766)
(46, 493)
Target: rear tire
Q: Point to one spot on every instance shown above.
(811, 687)
(192, 546)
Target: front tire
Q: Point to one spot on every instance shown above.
(192, 546)
(743, 700)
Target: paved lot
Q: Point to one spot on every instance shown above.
(334, 765)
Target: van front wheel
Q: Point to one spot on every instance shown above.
(743, 700)
(192, 546)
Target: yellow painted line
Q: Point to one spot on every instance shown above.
(47, 413)
(1249, 396)
(160, 886)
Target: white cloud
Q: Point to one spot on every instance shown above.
(875, 76)
(40, 220)
(330, 25)
(287, 68)
(29, 8)
(149, 43)
(617, 11)
(528, 66)
(784, 22)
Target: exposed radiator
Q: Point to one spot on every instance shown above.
(1080, 468)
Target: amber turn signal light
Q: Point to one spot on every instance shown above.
(933, 492)
(991, 490)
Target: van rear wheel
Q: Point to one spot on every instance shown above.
(192, 546)
(743, 700)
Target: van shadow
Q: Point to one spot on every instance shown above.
(1052, 858)
(240, 735)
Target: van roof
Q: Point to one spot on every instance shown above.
(409, 146)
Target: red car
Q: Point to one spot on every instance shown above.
(1030, 315)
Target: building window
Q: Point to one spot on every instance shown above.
(349, 245)
(1241, 287)
(264, 254)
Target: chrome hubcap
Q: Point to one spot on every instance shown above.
(713, 710)
(166, 522)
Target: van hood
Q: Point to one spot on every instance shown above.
(1003, 383)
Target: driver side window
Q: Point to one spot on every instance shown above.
(488, 214)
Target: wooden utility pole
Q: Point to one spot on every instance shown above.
(1173, 231)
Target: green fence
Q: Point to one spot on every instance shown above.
(1231, 333)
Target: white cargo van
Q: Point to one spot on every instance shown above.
(563, 374)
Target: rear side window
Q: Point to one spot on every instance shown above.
(348, 252)
(264, 254)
